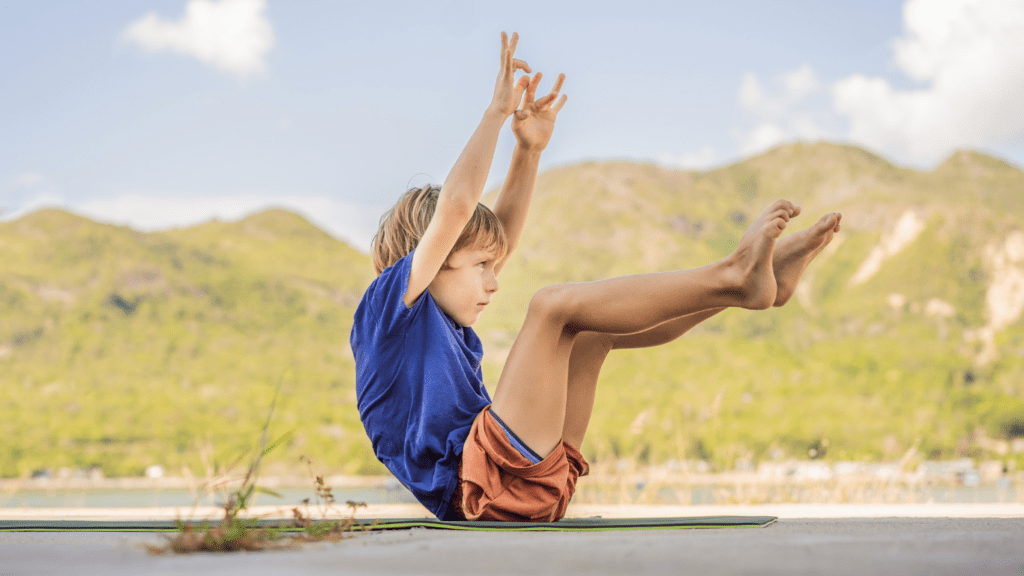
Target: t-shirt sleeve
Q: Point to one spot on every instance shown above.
(388, 299)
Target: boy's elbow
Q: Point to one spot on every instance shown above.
(457, 202)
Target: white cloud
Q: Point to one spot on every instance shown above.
(701, 159)
(232, 35)
(969, 56)
(761, 138)
(800, 83)
(782, 113)
(792, 88)
(352, 223)
(48, 199)
(751, 95)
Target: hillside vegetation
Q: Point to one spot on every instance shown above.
(120, 349)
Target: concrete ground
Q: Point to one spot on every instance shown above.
(792, 546)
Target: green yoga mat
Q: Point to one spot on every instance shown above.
(565, 525)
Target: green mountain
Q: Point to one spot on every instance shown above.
(120, 349)
(924, 344)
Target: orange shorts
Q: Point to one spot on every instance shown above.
(498, 483)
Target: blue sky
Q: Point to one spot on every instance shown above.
(167, 113)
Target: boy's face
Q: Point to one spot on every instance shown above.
(464, 286)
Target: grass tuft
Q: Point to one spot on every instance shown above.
(234, 533)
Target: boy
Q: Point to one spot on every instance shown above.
(438, 253)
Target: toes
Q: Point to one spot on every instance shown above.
(778, 223)
(828, 221)
(790, 208)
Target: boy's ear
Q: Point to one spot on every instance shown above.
(450, 217)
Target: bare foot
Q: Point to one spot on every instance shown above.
(794, 252)
(751, 263)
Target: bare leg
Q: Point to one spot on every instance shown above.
(532, 391)
(663, 333)
(588, 356)
(791, 257)
(585, 361)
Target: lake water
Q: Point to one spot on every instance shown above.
(712, 494)
(93, 498)
(396, 494)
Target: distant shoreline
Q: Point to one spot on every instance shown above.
(652, 475)
(783, 511)
(183, 483)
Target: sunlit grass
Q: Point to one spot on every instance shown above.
(235, 533)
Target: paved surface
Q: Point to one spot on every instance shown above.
(904, 546)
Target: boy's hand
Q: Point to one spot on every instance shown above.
(535, 120)
(507, 92)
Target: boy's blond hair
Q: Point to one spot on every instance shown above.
(402, 227)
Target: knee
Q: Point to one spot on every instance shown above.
(551, 304)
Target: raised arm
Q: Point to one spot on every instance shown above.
(461, 191)
(532, 125)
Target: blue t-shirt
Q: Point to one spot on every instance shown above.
(418, 385)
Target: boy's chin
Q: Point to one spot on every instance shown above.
(471, 320)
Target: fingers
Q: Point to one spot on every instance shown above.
(531, 90)
(508, 49)
(547, 100)
(504, 50)
(517, 91)
(509, 61)
(558, 84)
(558, 105)
(526, 85)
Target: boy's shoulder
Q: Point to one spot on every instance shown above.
(398, 270)
(383, 306)
(392, 279)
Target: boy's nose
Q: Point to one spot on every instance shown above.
(491, 285)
